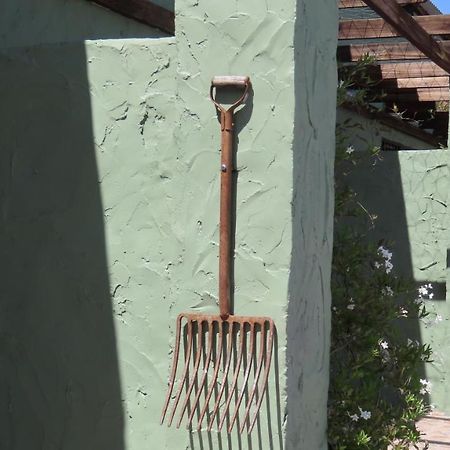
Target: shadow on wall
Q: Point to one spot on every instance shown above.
(55, 21)
(380, 191)
(59, 379)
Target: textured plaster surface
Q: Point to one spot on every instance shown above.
(109, 190)
(408, 191)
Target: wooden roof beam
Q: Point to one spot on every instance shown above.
(411, 29)
(383, 51)
(143, 11)
(361, 3)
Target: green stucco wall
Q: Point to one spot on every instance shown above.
(408, 191)
(109, 191)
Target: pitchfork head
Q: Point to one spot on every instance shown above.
(222, 358)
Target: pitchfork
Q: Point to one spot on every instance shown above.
(210, 340)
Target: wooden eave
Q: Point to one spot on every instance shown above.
(393, 122)
(414, 73)
(143, 11)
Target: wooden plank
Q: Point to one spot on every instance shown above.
(143, 11)
(379, 28)
(410, 83)
(406, 70)
(418, 95)
(383, 51)
(361, 3)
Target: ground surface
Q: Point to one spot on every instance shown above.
(436, 430)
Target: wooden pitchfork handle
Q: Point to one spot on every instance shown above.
(226, 184)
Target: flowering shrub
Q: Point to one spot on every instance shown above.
(376, 391)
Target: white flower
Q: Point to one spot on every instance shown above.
(387, 256)
(388, 291)
(423, 290)
(366, 415)
(350, 149)
(426, 290)
(403, 312)
(384, 345)
(388, 266)
(426, 386)
(351, 306)
(385, 253)
(354, 417)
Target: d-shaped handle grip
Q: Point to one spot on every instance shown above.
(242, 82)
(230, 80)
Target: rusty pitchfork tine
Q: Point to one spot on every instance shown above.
(173, 374)
(215, 375)
(245, 380)
(195, 372)
(257, 375)
(266, 374)
(235, 377)
(205, 372)
(185, 372)
(225, 376)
